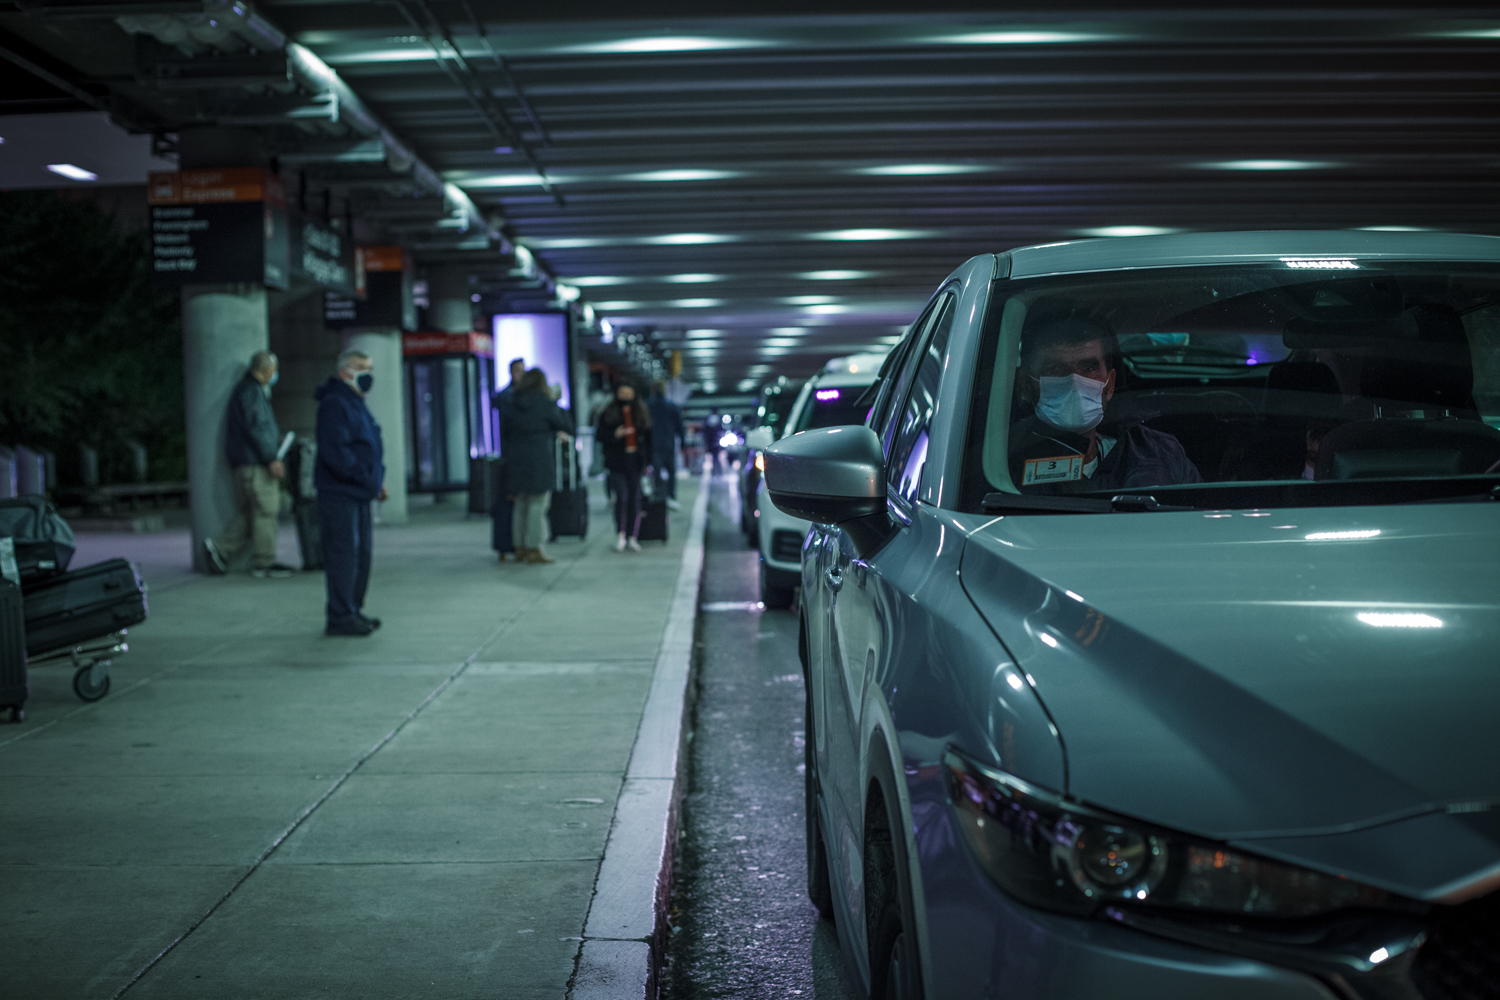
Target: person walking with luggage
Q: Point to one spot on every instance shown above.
(667, 432)
(349, 474)
(251, 439)
(624, 433)
(530, 426)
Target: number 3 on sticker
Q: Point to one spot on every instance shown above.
(1053, 470)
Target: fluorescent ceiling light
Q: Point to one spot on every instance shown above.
(688, 239)
(1469, 33)
(700, 334)
(854, 235)
(595, 280)
(568, 242)
(792, 330)
(1268, 165)
(835, 275)
(682, 175)
(920, 169)
(691, 279)
(695, 303)
(517, 179)
(666, 43)
(71, 172)
(1128, 231)
(616, 306)
(1019, 38)
(826, 310)
(809, 300)
(781, 342)
(1382, 619)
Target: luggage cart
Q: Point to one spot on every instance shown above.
(91, 661)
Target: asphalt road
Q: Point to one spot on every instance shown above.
(742, 923)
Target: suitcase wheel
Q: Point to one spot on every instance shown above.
(86, 686)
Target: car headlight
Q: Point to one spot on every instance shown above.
(1059, 855)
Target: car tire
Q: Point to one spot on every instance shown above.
(895, 978)
(772, 596)
(890, 904)
(819, 887)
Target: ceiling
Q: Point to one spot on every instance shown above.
(766, 190)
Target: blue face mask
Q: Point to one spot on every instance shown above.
(273, 379)
(364, 380)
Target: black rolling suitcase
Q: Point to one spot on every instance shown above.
(85, 604)
(301, 458)
(13, 685)
(484, 483)
(653, 520)
(568, 513)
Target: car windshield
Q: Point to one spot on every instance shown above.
(1358, 379)
(830, 407)
(775, 407)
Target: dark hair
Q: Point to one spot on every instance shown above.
(533, 380)
(1066, 329)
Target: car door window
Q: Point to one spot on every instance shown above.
(907, 454)
(891, 374)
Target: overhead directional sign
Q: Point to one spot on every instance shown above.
(218, 226)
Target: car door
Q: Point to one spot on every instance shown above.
(852, 618)
(865, 604)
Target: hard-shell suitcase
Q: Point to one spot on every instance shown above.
(653, 521)
(568, 513)
(85, 604)
(309, 533)
(13, 685)
(44, 542)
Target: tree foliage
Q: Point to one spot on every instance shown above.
(90, 351)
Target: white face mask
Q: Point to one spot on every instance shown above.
(1071, 402)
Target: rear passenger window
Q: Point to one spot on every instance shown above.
(908, 453)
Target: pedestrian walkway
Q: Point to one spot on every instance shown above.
(257, 809)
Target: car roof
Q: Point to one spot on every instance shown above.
(1182, 249)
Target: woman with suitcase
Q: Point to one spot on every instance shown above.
(530, 425)
(624, 434)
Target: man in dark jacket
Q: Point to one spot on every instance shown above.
(252, 440)
(349, 474)
(667, 433)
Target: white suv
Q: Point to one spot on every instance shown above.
(826, 400)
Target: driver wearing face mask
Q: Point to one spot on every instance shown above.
(1062, 440)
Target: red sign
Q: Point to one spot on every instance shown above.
(448, 343)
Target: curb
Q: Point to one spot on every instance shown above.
(623, 937)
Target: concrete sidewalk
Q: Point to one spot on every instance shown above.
(420, 813)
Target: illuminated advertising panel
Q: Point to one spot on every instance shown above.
(541, 340)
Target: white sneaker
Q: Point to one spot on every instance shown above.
(635, 546)
(620, 545)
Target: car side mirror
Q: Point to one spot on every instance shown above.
(760, 438)
(835, 475)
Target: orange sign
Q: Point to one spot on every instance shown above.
(197, 187)
(384, 258)
(448, 343)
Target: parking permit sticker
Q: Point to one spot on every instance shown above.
(1052, 470)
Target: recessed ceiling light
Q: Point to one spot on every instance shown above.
(1268, 165)
(682, 175)
(688, 239)
(692, 279)
(836, 275)
(854, 235)
(1128, 231)
(667, 43)
(71, 172)
(920, 169)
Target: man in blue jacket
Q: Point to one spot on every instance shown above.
(349, 474)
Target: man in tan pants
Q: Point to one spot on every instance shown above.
(252, 439)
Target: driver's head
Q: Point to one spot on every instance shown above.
(1063, 344)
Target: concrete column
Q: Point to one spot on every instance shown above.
(222, 325)
(387, 402)
(450, 309)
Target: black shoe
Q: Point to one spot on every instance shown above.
(279, 571)
(350, 626)
(372, 622)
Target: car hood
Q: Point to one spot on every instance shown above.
(1256, 674)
